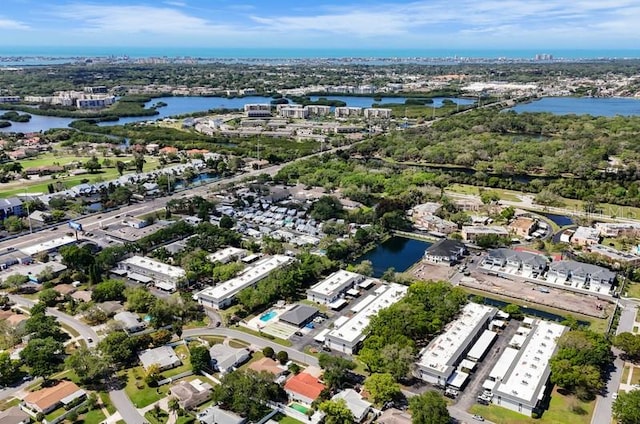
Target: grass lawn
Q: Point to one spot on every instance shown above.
(55, 414)
(187, 419)
(283, 419)
(635, 377)
(277, 340)
(162, 417)
(92, 417)
(509, 195)
(238, 344)
(140, 394)
(625, 374)
(213, 339)
(562, 410)
(633, 290)
(6, 404)
(70, 330)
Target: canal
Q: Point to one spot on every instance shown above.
(397, 252)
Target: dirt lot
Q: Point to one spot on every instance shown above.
(557, 298)
(425, 271)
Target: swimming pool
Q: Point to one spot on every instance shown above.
(299, 408)
(268, 316)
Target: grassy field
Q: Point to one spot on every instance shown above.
(140, 394)
(633, 290)
(161, 418)
(625, 374)
(6, 404)
(283, 419)
(562, 410)
(509, 195)
(95, 416)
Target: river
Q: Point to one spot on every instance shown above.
(599, 106)
(397, 252)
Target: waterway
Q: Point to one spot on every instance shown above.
(397, 252)
(560, 220)
(530, 311)
(191, 104)
(599, 106)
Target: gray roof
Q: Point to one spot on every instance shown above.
(10, 202)
(299, 314)
(216, 415)
(580, 269)
(164, 356)
(354, 401)
(128, 319)
(446, 247)
(13, 415)
(532, 259)
(225, 357)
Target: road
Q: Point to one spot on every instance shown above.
(127, 410)
(294, 354)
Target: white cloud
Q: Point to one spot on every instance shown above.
(12, 24)
(176, 3)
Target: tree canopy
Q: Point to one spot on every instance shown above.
(429, 408)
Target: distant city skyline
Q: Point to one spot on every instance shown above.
(347, 24)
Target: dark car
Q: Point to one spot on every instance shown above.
(326, 348)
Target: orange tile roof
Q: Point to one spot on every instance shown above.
(305, 385)
(46, 398)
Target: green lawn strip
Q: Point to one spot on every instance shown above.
(186, 419)
(509, 195)
(284, 419)
(263, 335)
(55, 414)
(625, 374)
(635, 377)
(562, 410)
(140, 394)
(70, 330)
(633, 290)
(95, 416)
(106, 402)
(6, 404)
(596, 324)
(161, 419)
(238, 344)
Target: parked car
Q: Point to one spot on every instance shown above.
(477, 417)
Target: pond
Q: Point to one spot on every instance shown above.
(560, 220)
(397, 252)
(596, 106)
(529, 311)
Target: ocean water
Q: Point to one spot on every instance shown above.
(306, 53)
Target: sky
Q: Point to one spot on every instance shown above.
(335, 24)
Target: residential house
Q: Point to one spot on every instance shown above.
(14, 415)
(191, 393)
(131, 323)
(445, 251)
(359, 407)
(581, 275)
(523, 226)
(472, 232)
(304, 387)
(528, 264)
(164, 356)
(10, 206)
(225, 358)
(217, 415)
(47, 399)
(268, 365)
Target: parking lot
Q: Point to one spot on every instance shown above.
(534, 293)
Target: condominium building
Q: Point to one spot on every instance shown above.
(472, 232)
(294, 113)
(439, 359)
(318, 110)
(379, 113)
(333, 287)
(521, 375)
(347, 112)
(228, 254)
(222, 295)
(348, 334)
(581, 275)
(257, 110)
(147, 270)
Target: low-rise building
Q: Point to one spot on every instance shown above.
(359, 407)
(294, 112)
(347, 337)
(472, 232)
(435, 224)
(299, 315)
(191, 393)
(581, 275)
(614, 255)
(376, 112)
(585, 236)
(447, 252)
(217, 415)
(333, 287)
(164, 356)
(521, 383)
(147, 270)
(523, 226)
(10, 206)
(268, 365)
(347, 112)
(257, 110)
(131, 323)
(304, 387)
(225, 358)
(47, 399)
(616, 229)
(222, 295)
(527, 264)
(228, 254)
(439, 359)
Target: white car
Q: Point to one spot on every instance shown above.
(614, 396)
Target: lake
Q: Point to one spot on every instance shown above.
(560, 220)
(599, 106)
(397, 252)
(191, 104)
(529, 310)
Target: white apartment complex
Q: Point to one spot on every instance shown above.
(347, 112)
(222, 295)
(376, 112)
(257, 110)
(147, 270)
(349, 333)
(331, 288)
(519, 379)
(439, 359)
(228, 254)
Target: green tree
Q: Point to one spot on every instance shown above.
(200, 358)
(514, 311)
(77, 258)
(9, 369)
(41, 326)
(326, 208)
(121, 167)
(629, 343)
(48, 296)
(88, 364)
(268, 352)
(43, 356)
(119, 348)
(139, 299)
(336, 412)
(15, 281)
(92, 165)
(174, 405)
(429, 408)
(13, 224)
(336, 370)
(161, 337)
(382, 388)
(108, 290)
(226, 222)
(626, 408)
(282, 357)
(245, 393)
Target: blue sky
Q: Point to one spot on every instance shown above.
(427, 24)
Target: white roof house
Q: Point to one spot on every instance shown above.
(164, 356)
(522, 387)
(164, 276)
(438, 360)
(347, 336)
(222, 295)
(332, 287)
(227, 255)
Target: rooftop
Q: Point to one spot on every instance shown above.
(446, 247)
(44, 399)
(305, 384)
(443, 351)
(225, 254)
(164, 356)
(155, 266)
(299, 314)
(335, 282)
(587, 233)
(582, 269)
(48, 245)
